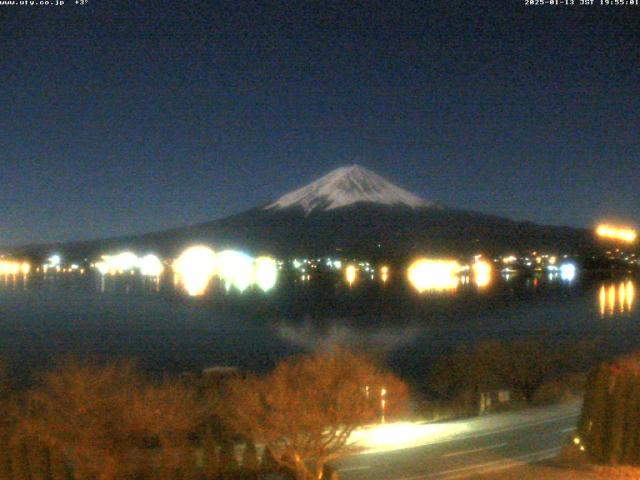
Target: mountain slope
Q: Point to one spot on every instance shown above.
(347, 186)
(350, 211)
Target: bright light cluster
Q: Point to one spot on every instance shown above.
(235, 269)
(482, 273)
(53, 262)
(196, 267)
(434, 275)
(12, 267)
(126, 262)
(150, 266)
(624, 234)
(266, 273)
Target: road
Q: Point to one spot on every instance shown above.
(461, 449)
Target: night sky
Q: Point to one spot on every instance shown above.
(119, 117)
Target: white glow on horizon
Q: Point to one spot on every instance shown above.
(120, 263)
(54, 260)
(151, 266)
(567, 272)
(265, 273)
(235, 268)
(433, 274)
(194, 269)
(102, 267)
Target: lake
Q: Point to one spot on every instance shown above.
(128, 316)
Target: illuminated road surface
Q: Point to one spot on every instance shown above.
(466, 448)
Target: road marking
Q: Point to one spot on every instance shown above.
(473, 450)
(567, 430)
(490, 466)
(354, 469)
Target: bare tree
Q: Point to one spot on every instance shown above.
(308, 407)
(107, 421)
(522, 365)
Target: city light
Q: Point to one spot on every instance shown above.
(120, 263)
(195, 268)
(384, 273)
(151, 266)
(235, 269)
(13, 267)
(265, 273)
(482, 273)
(624, 234)
(567, 272)
(53, 261)
(102, 267)
(434, 275)
(351, 274)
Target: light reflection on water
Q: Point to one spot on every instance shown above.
(616, 298)
(147, 319)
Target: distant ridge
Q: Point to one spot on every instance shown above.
(351, 211)
(347, 186)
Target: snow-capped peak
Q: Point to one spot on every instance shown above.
(346, 186)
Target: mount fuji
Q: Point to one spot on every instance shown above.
(347, 186)
(350, 211)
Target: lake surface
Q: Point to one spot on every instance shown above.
(131, 317)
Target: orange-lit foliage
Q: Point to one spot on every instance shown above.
(307, 408)
(109, 423)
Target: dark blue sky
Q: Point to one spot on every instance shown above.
(121, 118)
